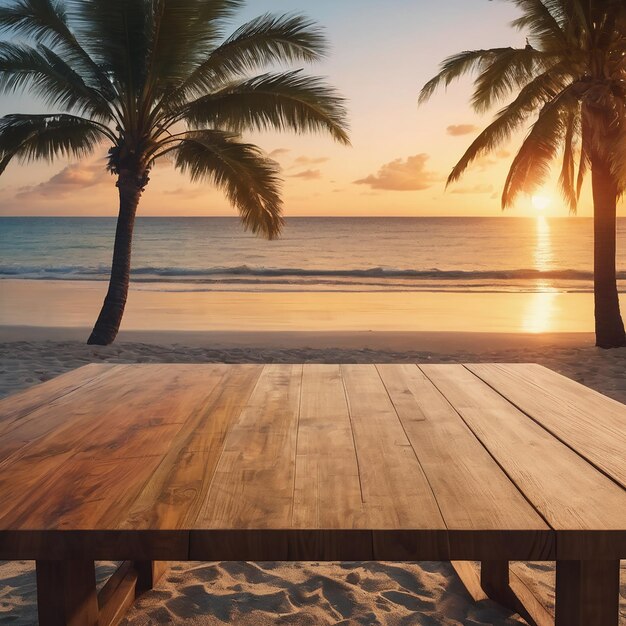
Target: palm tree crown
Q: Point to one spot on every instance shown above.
(570, 77)
(569, 84)
(157, 78)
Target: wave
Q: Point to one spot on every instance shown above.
(223, 274)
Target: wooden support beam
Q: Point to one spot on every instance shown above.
(66, 593)
(487, 582)
(117, 595)
(587, 593)
(148, 574)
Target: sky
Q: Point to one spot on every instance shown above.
(381, 53)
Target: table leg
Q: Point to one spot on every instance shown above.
(66, 593)
(510, 591)
(587, 593)
(148, 574)
(494, 579)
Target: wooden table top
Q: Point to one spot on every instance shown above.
(322, 461)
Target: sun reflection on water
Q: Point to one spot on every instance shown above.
(543, 255)
(539, 314)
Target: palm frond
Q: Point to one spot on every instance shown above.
(263, 41)
(510, 69)
(50, 78)
(456, 66)
(584, 163)
(546, 21)
(31, 137)
(568, 168)
(115, 34)
(46, 22)
(531, 165)
(183, 34)
(512, 117)
(247, 176)
(288, 100)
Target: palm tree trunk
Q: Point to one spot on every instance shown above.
(609, 324)
(108, 322)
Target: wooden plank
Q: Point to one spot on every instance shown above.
(27, 472)
(592, 424)
(172, 496)
(95, 545)
(471, 490)
(396, 493)
(271, 544)
(66, 593)
(587, 593)
(327, 488)
(571, 494)
(14, 408)
(149, 573)
(117, 595)
(253, 482)
(117, 442)
(30, 415)
(519, 597)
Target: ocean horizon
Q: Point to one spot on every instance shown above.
(491, 254)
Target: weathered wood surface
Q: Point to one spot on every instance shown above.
(452, 460)
(584, 419)
(150, 463)
(584, 506)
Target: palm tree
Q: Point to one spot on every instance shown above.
(570, 79)
(159, 78)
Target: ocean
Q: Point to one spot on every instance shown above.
(492, 254)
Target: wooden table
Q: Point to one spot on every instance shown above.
(153, 463)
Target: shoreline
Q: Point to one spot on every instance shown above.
(75, 304)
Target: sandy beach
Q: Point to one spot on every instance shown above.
(301, 593)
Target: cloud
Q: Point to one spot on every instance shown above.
(308, 175)
(402, 175)
(503, 154)
(305, 160)
(475, 189)
(279, 152)
(70, 179)
(188, 193)
(457, 130)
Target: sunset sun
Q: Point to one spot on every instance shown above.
(540, 202)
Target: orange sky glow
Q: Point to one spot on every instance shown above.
(381, 55)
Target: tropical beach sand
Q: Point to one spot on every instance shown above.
(300, 593)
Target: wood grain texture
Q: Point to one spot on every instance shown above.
(173, 494)
(517, 595)
(41, 409)
(253, 482)
(327, 489)
(66, 593)
(587, 593)
(167, 462)
(570, 493)
(472, 492)
(16, 407)
(592, 424)
(394, 488)
(118, 438)
(117, 595)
